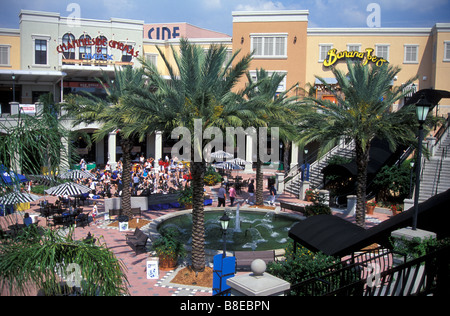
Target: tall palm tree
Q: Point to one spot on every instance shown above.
(363, 112)
(272, 109)
(199, 90)
(113, 118)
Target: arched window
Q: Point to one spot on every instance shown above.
(85, 50)
(100, 48)
(70, 52)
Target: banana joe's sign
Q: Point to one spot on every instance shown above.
(367, 56)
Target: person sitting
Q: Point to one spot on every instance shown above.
(27, 220)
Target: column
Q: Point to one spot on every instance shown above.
(158, 146)
(294, 155)
(250, 153)
(112, 138)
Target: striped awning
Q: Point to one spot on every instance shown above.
(68, 188)
(76, 174)
(18, 197)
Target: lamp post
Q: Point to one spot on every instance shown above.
(14, 87)
(422, 109)
(224, 220)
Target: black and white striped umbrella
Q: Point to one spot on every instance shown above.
(68, 188)
(76, 174)
(18, 197)
(221, 155)
(239, 161)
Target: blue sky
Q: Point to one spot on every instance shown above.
(216, 14)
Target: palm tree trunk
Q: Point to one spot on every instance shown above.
(362, 161)
(287, 148)
(259, 194)
(127, 146)
(198, 216)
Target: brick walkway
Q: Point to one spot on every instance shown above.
(139, 285)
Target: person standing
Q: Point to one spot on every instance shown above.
(221, 196)
(232, 194)
(273, 194)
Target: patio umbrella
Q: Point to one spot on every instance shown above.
(221, 155)
(76, 174)
(239, 161)
(9, 177)
(18, 197)
(228, 166)
(68, 188)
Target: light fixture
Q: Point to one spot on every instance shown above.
(295, 39)
(422, 109)
(224, 220)
(242, 40)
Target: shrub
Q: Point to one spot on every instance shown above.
(299, 265)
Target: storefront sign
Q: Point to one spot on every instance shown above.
(334, 56)
(163, 33)
(27, 108)
(100, 43)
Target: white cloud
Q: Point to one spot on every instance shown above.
(261, 5)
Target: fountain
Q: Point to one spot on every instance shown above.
(254, 229)
(237, 226)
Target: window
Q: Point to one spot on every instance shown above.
(323, 51)
(382, 51)
(151, 59)
(70, 52)
(269, 46)
(40, 52)
(102, 46)
(411, 54)
(84, 49)
(354, 47)
(4, 55)
(126, 57)
(447, 51)
(281, 86)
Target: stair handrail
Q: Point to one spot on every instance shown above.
(342, 144)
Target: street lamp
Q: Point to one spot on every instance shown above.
(224, 220)
(422, 109)
(14, 87)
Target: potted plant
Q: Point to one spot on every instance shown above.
(370, 206)
(310, 195)
(396, 209)
(185, 197)
(168, 248)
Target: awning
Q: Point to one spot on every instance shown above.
(24, 77)
(335, 236)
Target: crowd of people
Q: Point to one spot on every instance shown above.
(147, 177)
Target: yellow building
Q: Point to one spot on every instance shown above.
(283, 42)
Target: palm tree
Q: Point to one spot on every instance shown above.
(34, 257)
(29, 142)
(199, 90)
(363, 112)
(111, 114)
(272, 109)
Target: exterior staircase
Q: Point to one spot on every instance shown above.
(316, 176)
(435, 176)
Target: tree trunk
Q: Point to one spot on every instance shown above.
(127, 146)
(198, 216)
(362, 160)
(259, 193)
(287, 148)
